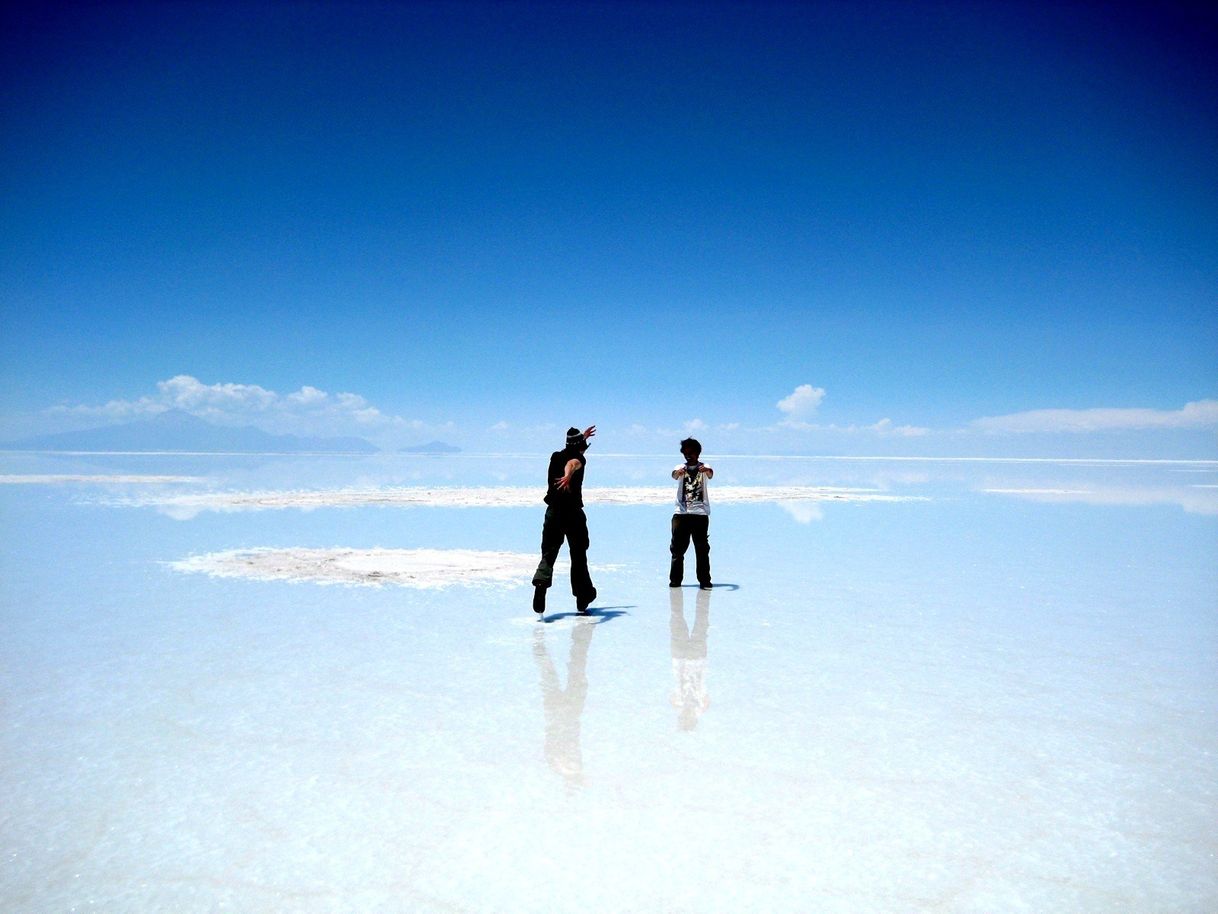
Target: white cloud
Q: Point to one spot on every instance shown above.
(886, 428)
(308, 410)
(190, 394)
(114, 410)
(802, 402)
(1199, 414)
(308, 395)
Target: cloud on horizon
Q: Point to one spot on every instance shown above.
(1199, 414)
(308, 409)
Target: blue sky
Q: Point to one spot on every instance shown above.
(924, 228)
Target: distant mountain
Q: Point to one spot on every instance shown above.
(177, 430)
(431, 447)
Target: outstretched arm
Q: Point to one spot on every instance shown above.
(564, 481)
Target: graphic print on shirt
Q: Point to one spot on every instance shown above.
(693, 485)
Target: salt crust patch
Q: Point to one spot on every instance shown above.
(422, 568)
(488, 497)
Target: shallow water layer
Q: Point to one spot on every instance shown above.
(997, 696)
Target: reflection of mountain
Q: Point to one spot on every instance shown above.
(176, 430)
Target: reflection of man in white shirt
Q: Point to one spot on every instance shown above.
(691, 518)
(689, 695)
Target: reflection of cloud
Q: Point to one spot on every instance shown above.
(804, 512)
(1193, 499)
(420, 568)
(1199, 414)
(184, 506)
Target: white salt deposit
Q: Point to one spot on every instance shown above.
(186, 505)
(421, 568)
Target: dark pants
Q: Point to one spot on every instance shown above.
(686, 527)
(571, 525)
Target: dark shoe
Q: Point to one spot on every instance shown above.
(583, 603)
(706, 586)
(539, 599)
(671, 584)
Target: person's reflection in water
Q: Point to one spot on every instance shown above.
(689, 695)
(563, 707)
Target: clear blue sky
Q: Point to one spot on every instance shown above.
(658, 216)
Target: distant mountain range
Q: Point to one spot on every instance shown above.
(431, 447)
(176, 430)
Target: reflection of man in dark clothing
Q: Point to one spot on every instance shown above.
(563, 707)
(689, 695)
(565, 519)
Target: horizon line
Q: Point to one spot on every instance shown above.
(1191, 461)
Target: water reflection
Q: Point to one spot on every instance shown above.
(689, 695)
(563, 707)
(1194, 498)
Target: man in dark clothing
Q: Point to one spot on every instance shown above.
(691, 517)
(565, 519)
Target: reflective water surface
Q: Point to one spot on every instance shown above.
(995, 694)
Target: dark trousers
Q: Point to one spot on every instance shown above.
(686, 527)
(571, 525)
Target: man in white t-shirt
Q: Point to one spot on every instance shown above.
(691, 520)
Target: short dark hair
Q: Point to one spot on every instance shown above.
(691, 444)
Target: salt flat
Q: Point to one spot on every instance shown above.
(992, 690)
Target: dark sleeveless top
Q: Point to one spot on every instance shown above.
(573, 497)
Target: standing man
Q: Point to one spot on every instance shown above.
(692, 517)
(565, 519)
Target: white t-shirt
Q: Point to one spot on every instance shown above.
(692, 494)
